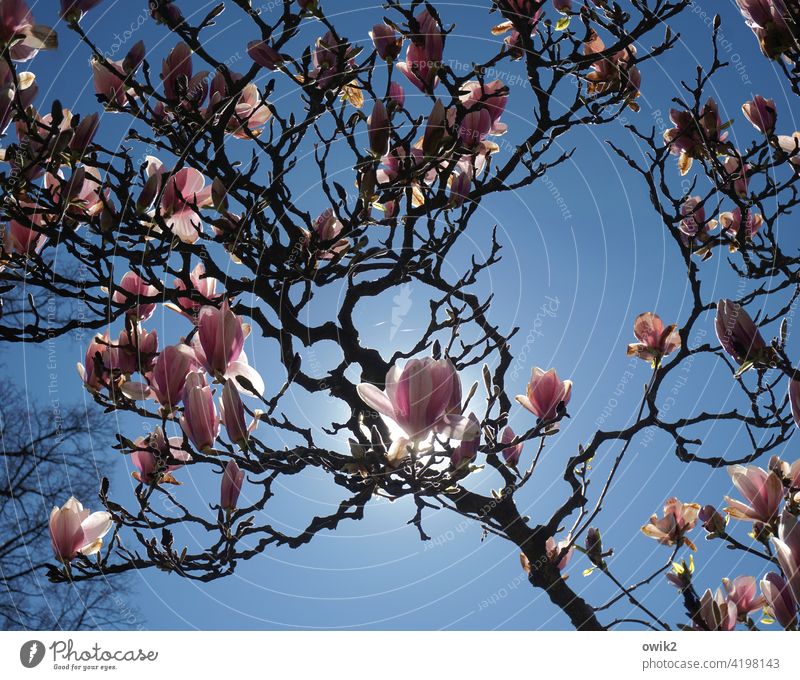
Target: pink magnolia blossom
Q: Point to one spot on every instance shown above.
(695, 137)
(435, 128)
(617, 73)
(794, 399)
(326, 229)
(762, 489)
(84, 134)
(545, 392)
(184, 194)
(511, 453)
(218, 345)
(379, 130)
(73, 10)
(80, 196)
(466, 451)
(743, 592)
(41, 135)
(17, 25)
(75, 530)
(110, 86)
(331, 59)
(131, 349)
(220, 338)
(460, 184)
(474, 128)
(717, 612)
(200, 420)
(713, 522)
(787, 548)
(19, 238)
(484, 105)
(386, 41)
(671, 529)
(25, 88)
(263, 54)
(203, 290)
(230, 486)
(780, 602)
(422, 398)
(522, 8)
(156, 457)
(168, 377)
(788, 473)
(554, 552)
(397, 95)
(168, 13)
(694, 226)
(767, 20)
(177, 73)
(761, 113)
(424, 53)
(133, 287)
(790, 145)
(88, 370)
(250, 111)
(738, 335)
(735, 175)
(231, 411)
(655, 341)
(731, 223)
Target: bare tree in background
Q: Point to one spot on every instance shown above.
(43, 453)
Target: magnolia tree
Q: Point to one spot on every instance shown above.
(211, 173)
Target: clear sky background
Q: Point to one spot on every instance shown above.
(584, 254)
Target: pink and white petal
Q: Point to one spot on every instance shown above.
(524, 401)
(96, 525)
(185, 225)
(138, 391)
(375, 399)
(243, 369)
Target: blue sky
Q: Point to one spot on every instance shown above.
(583, 254)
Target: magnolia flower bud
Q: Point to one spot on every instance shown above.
(546, 392)
(386, 41)
(148, 193)
(134, 58)
(397, 95)
(434, 130)
(232, 414)
(263, 54)
(713, 522)
(761, 113)
(511, 453)
(200, 421)
(594, 547)
(230, 486)
(84, 134)
(379, 130)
